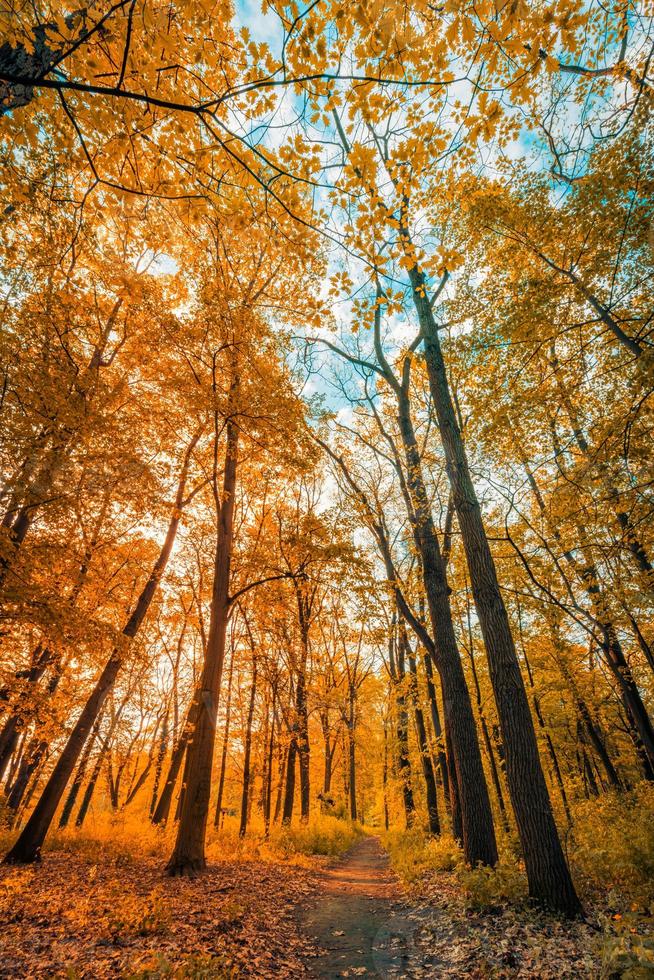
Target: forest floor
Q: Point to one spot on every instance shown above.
(85, 914)
(365, 924)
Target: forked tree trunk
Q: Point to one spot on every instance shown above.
(162, 809)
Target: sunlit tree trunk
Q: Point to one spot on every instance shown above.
(248, 751)
(225, 745)
(27, 848)
(188, 857)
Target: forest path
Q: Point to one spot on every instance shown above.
(361, 921)
(364, 924)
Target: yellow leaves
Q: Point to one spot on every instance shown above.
(468, 32)
(407, 261)
(362, 160)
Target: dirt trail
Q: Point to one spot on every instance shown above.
(364, 925)
(360, 921)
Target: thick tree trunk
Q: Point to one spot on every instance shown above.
(549, 878)
(476, 817)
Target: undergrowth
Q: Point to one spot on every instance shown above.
(126, 836)
(611, 852)
(610, 848)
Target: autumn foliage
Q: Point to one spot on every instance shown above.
(326, 444)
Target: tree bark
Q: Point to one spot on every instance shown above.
(548, 875)
(248, 751)
(27, 848)
(423, 745)
(188, 857)
(225, 746)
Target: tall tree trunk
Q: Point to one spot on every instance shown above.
(158, 766)
(30, 762)
(90, 786)
(283, 754)
(423, 744)
(385, 775)
(476, 817)
(267, 786)
(188, 857)
(488, 742)
(76, 785)
(217, 820)
(27, 847)
(455, 816)
(247, 752)
(303, 745)
(548, 875)
(162, 809)
(289, 785)
(352, 764)
(438, 732)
